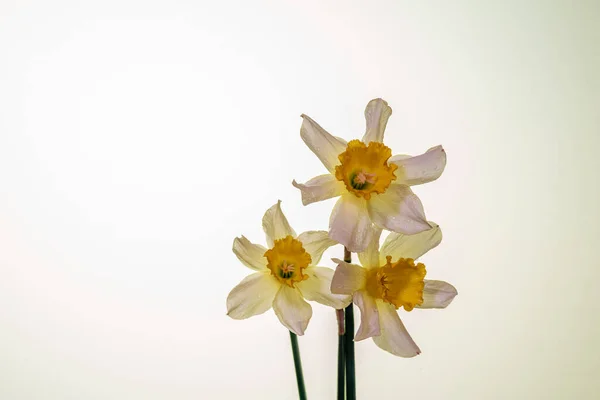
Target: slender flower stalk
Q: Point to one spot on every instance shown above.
(286, 275)
(298, 366)
(349, 343)
(341, 372)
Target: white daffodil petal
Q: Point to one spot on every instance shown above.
(377, 114)
(398, 210)
(325, 146)
(315, 243)
(399, 245)
(276, 225)
(291, 309)
(250, 254)
(421, 169)
(370, 257)
(437, 294)
(369, 316)
(318, 288)
(254, 295)
(394, 337)
(320, 188)
(348, 278)
(350, 223)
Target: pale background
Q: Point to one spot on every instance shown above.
(138, 138)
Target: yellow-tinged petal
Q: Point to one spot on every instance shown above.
(377, 114)
(318, 288)
(250, 254)
(370, 257)
(348, 278)
(276, 225)
(399, 245)
(437, 294)
(420, 169)
(325, 146)
(398, 210)
(254, 295)
(394, 337)
(291, 309)
(350, 223)
(369, 316)
(320, 188)
(315, 243)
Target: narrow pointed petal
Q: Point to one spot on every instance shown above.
(399, 245)
(325, 146)
(369, 316)
(250, 254)
(377, 114)
(291, 309)
(437, 294)
(318, 288)
(348, 278)
(398, 210)
(350, 223)
(370, 257)
(420, 169)
(394, 337)
(315, 243)
(320, 188)
(276, 225)
(253, 296)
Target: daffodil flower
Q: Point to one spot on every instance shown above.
(285, 274)
(389, 281)
(374, 186)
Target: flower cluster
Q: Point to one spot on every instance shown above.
(374, 190)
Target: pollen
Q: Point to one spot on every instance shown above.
(400, 283)
(364, 177)
(365, 169)
(286, 260)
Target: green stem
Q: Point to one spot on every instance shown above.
(298, 366)
(341, 372)
(349, 343)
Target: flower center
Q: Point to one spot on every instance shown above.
(364, 169)
(287, 259)
(400, 283)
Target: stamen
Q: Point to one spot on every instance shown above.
(362, 177)
(285, 267)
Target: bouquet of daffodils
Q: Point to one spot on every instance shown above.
(374, 190)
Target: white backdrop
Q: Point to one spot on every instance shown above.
(138, 138)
